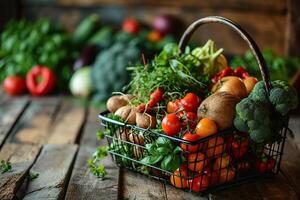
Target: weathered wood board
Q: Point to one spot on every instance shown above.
(84, 185)
(34, 125)
(10, 111)
(21, 157)
(54, 166)
(136, 186)
(68, 122)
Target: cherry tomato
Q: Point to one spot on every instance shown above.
(239, 147)
(206, 127)
(222, 162)
(199, 183)
(190, 117)
(131, 26)
(243, 166)
(190, 102)
(179, 178)
(14, 85)
(215, 146)
(191, 138)
(196, 161)
(170, 107)
(171, 124)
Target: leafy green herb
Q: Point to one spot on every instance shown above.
(100, 135)
(165, 152)
(96, 168)
(33, 176)
(176, 73)
(5, 166)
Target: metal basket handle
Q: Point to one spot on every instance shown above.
(251, 43)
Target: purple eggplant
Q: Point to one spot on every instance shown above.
(87, 57)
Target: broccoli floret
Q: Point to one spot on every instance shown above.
(240, 124)
(259, 92)
(254, 117)
(283, 97)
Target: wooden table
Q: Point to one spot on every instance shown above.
(55, 136)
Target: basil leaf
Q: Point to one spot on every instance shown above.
(163, 150)
(167, 161)
(150, 160)
(151, 148)
(177, 150)
(164, 142)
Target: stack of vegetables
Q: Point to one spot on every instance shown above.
(203, 122)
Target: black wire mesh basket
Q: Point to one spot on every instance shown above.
(214, 162)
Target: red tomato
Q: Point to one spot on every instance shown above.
(14, 85)
(40, 80)
(191, 138)
(190, 117)
(171, 124)
(215, 146)
(196, 161)
(179, 178)
(222, 162)
(190, 102)
(239, 147)
(131, 26)
(199, 183)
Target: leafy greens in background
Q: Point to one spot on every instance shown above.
(25, 44)
(280, 68)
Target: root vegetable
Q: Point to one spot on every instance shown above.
(250, 83)
(234, 86)
(127, 114)
(124, 135)
(145, 120)
(136, 138)
(118, 101)
(219, 107)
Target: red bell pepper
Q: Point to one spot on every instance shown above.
(241, 72)
(40, 80)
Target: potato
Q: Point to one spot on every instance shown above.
(145, 120)
(115, 102)
(127, 114)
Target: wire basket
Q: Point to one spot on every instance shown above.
(215, 156)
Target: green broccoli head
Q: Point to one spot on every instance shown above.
(259, 92)
(254, 117)
(283, 97)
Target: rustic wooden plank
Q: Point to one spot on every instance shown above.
(293, 28)
(68, 122)
(21, 157)
(276, 188)
(54, 166)
(137, 186)
(267, 5)
(84, 185)
(11, 109)
(34, 125)
(245, 191)
(91, 126)
(178, 194)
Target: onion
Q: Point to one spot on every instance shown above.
(233, 85)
